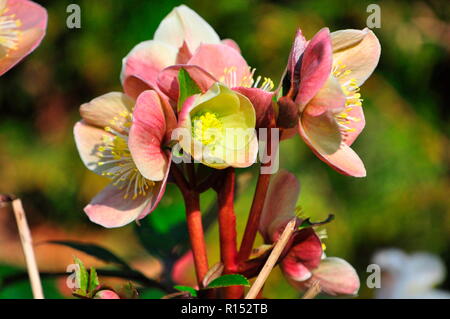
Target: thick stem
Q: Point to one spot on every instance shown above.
(227, 231)
(257, 205)
(195, 226)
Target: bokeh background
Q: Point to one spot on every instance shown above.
(404, 201)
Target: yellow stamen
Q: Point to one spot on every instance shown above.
(116, 161)
(9, 31)
(207, 128)
(353, 98)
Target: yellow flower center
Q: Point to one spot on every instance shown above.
(353, 97)
(9, 30)
(207, 128)
(116, 161)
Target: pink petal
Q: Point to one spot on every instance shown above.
(279, 206)
(146, 136)
(33, 19)
(183, 24)
(168, 79)
(103, 109)
(87, 139)
(184, 54)
(110, 209)
(262, 102)
(298, 47)
(158, 191)
(304, 255)
(344, 160)
(318, 118)
(359, 50)
(223, 62)
(134, 85)
(232, 44)
(106, 294)
(336, 277)
(357, 125)
(315, 67)
(147, 59)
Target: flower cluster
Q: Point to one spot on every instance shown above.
(188, 90)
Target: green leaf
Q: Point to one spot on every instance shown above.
(308, 223)
(191, 290)
(229, 280)
(94, 250)
(188, 87)
(93, 280)
(82, 277)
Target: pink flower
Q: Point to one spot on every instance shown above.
(178, 36)
(184, 40)
(123, 140)
(322, 84)
(304, 262)
(22, 27)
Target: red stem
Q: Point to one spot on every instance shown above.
(194, 224)
(227, 232)
(257, 205)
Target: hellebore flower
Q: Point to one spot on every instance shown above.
(304, 263)
(213, 63)
(411, 276)
(321, 84)
(122, 140)
(218, 128)
(177, 37)
(22, 27)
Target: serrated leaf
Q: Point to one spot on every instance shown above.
(308, 223)
(93, 280)
(229, 280)
(95, 251)
(188, 289)
(188, 87)
(82, 277)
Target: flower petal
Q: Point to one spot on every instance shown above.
(344, 160)
(103, 109)
(293, 67)
(231, 43)
(262, 102)
(33, 23)
(157, 191)
(146, 136)
(224, 63)
(87, 139)
(315, 67)
(110, 209)
(106, 294)
(134, 85)
(356, 125)
(184, 24)
(303, 256)
(147, 59)
(168, 79)
(336, 277)
(279, 206)
(359, 50)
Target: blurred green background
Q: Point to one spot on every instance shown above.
(404, 201)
